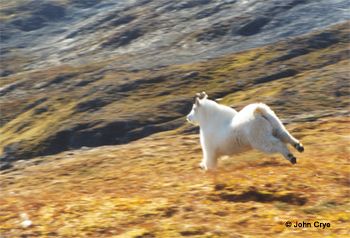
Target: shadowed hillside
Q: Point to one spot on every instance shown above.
(93, 135)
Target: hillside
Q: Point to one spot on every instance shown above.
(86, 106)
(93, 136)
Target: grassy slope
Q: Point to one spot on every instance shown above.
(153, 187)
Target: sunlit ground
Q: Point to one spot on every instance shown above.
(154, 188)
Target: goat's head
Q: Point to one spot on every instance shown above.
(193, 116)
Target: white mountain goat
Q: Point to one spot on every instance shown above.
(224, 131)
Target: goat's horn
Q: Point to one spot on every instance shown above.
(204, 95)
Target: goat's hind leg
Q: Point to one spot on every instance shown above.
(271, 144)
(286, 137)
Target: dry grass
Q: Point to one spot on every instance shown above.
(153, 188)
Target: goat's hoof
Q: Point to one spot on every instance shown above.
(292, 159)
(299, 147)
(201, 165)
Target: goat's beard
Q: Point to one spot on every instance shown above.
(192, 122)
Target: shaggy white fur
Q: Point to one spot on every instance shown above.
(224, 131)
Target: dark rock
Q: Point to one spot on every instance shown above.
(149, 129)
(340, 92)
(282, 74)
(107, 133)
(291, 54)
(9, 149)
(74, 34)
(56, 80)
(5, 72)
(41, 110)
(98, 24)
(10, 152)
(34, 104)
(124, 38)
(50, 12)
(23, 126)
(56, 143)
(190, 75)
(122, 20)
(29, 23)
(5, 166)
(85, 135)
(10, 87)
(305, 46)
(61, 78)
(91, 105)
(82, 83)
(217, 31)
(253, 27)
(90, 79)
(181, 106)
(136, 84)
(322, 40)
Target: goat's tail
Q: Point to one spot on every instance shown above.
(279, 130)
(264, 111)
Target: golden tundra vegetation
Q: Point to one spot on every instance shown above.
(152, 186)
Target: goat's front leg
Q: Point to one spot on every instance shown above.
(209, 161)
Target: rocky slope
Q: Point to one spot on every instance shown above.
(144, 34)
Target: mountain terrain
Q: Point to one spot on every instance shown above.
(93, 137)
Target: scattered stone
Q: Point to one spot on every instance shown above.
(190, 75)
(41, 110)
